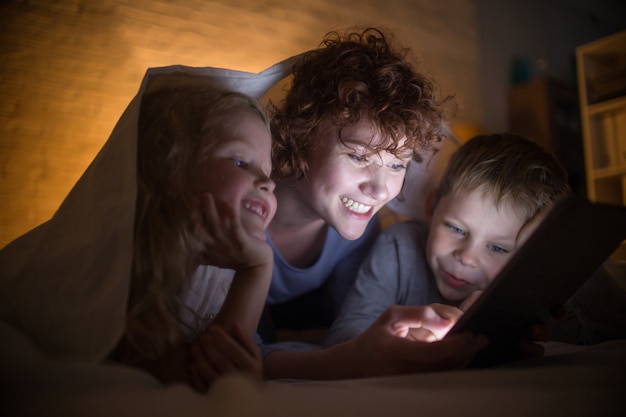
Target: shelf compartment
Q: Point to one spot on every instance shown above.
(604, 64)
(609, 190)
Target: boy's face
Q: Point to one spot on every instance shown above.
(347, 183)
(470, 241)
(237, 171)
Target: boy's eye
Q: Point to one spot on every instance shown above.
(497, 249)
(454, 229)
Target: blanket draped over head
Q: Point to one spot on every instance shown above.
(65, 283)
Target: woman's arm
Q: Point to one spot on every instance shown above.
(380, 350)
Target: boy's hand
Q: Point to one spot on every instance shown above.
(226, 243)
(528, 347)
(540, 333)
(216, 353)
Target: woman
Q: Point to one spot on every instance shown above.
(355, 115)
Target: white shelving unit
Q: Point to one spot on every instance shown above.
(602, 90)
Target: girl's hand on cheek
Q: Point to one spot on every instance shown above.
(226, 243)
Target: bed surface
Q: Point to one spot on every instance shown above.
(572, 381)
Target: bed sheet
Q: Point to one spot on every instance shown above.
(570, 382)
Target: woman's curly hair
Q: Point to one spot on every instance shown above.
(349, 77)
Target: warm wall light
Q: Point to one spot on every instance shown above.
(467, 131)
(70, 69)
(70, 76)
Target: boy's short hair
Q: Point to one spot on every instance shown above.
(351, 76)
(507, 167)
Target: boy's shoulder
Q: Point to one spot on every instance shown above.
(407, 231)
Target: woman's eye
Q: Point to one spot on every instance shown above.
(497, 249)
(358, 158)
(397, 167)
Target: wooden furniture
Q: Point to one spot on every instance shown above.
(602, 89)
(547, 111)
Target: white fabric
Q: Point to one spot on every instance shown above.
(65, 283)
(204, 295)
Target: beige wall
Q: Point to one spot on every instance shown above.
(70, 67)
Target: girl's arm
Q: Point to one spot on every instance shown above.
(228, 245)
(228, 345)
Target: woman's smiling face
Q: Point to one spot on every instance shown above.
(347, 181)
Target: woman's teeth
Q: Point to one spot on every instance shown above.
(354, 206)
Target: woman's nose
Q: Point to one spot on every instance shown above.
(375, 185)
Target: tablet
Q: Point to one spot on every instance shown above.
(571, 243)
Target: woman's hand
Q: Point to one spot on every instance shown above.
(384, 349)
(431, 323)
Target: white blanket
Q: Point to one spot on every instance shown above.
(65, 283)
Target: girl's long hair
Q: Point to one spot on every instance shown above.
(176, 129)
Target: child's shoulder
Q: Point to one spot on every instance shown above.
(408, 231)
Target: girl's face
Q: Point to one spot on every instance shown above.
(347, 183)
(470, 241)
(238, 168)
